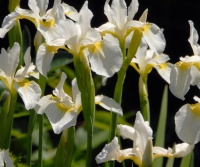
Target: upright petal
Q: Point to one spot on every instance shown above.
(109, 152)
(76, 94)
(132, 9)
(144, 132)
(193, 39)
(85, 18)
(59, 92)
(9, 62)
(119, 12)
(155, 38)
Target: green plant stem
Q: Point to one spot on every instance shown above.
(86, 87)
(144, 101)
(65, 149)
(32, 120)
(6, 117)
(134, 44)
(42, 83)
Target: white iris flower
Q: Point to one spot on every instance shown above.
(105, 55)
(29, 91)
(62, 110)
(142, 152)
(5, 158)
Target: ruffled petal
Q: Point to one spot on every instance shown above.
(126, 131)
(181, 150)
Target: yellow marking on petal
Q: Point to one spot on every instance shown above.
(28, 18)
(96, 48)
(146, 27)
(195, 108)
(52, 49)
(186, 65)
(63, 107)
(163, 66)
(47, 23)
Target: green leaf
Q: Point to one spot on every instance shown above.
(60, 59)
(160, 135)
(188, 161)
(170, 162)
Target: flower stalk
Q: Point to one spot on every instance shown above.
(86, 87)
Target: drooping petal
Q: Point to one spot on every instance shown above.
(40, 107)
(164, 70)
(8, 22)
(70, 12)
(109, 104)
(44, 58)
(30, 93)
(195, 76)
(155, 38)
(126, 131)
(181, 150)
(106, 57)
(179, 82)
(161, 152)
(187, 121)
(60, 119)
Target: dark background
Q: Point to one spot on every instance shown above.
(172, 16)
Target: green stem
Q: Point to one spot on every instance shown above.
(32, 120)
(134, 44)
(42, 83)
(144, 101)
(65, 149)
(7, 114)
(86, 87)
(40, 149)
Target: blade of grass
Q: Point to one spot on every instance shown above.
(160, 136)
